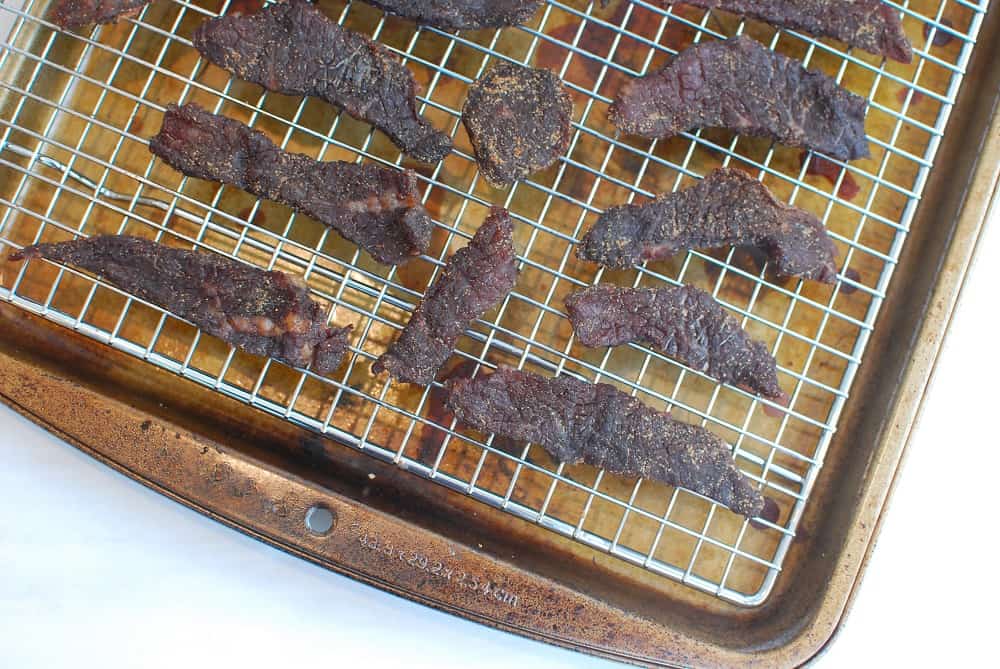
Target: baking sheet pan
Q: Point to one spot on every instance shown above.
(559, 550)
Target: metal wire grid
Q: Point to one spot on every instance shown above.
(382, 299)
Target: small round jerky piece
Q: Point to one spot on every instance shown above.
(518, 119)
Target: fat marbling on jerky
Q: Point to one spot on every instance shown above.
(293, 48)
(474, 280)
(518, 120)
(601, 426)
(461, 14)
(375, 207)
(76, 14)
(739, 85)
(685, 323)
(726, 208)
(267, 313)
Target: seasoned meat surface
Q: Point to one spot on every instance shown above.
(726, 208)
(474, 279)
(76, 14)
(293, 48)
(600, 425)
(377, 208)
(871, 25)
(462, 14)
(683, 322)
(518, 119)
(739, 85)
(266, 313)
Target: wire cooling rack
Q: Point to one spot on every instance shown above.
(78, 110)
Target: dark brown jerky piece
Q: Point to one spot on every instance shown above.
(76, 14)
(726, 208)
(293, 48)
(267, 313)
(739, 85)
(871, 25)
(518, 119)
(602, 426)
(685, 323)
(375, 207)
(461, 14)
(475, 279)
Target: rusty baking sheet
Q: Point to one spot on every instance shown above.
(634, 570)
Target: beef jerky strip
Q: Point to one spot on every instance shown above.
(375, 207)
(475, 279)
(293, 48)
(871, 25)
(76, 14)
(726, 208)
(739, 85)
(600, 425)
(683, 322)
(518, 119)
(461, 14)
(266, 313)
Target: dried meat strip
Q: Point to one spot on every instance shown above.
(462, 14)
(726, 208)
(871, 25)
(377, 208)
(76, 14)
(293, 48)
(475, 279)
(683, 322)
(267, 313)
(518, 119)
(739, 85)
(601, 426)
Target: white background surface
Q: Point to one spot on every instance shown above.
(97, 571)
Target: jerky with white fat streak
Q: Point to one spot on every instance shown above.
(377, 208)
(726, 208)
(601, 426)
(739, 85)
(76, 14)
(267, 313)
(685, 323)
(474, 280)
(461, 14)
(293, 48)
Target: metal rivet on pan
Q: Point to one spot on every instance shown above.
(320, 520)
